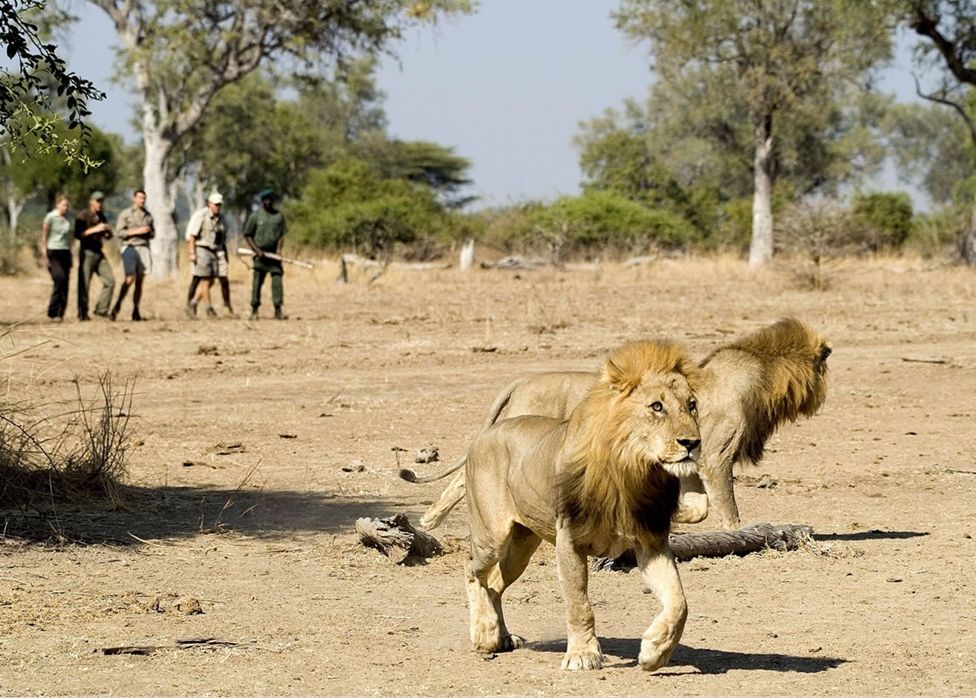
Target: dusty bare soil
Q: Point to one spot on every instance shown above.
(259, 444)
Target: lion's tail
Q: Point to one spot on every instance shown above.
(496, 409)
(449, 499)
(410, 476)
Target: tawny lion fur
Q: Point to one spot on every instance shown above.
(601, 482)
(749, 388)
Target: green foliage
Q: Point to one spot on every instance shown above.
(351, 205)
(770, 78)
(428, 164)
(249, 140)
(49, 174)
(587, 224)
(882, 220)
(40, 85)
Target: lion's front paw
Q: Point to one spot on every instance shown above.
(588, 656)
(654, 655)
(511, 642)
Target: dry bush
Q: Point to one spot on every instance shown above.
(813, 233)
(73, 457)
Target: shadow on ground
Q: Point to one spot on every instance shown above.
(176, 512)
(707, 661)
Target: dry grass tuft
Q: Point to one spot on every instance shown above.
(74, 457)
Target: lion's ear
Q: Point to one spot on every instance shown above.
(618, 377)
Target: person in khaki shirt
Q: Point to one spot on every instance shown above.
(205, 233)
(135, 229)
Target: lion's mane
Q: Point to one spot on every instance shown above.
(789, 365)
(608, 488)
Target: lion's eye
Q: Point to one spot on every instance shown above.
(656, 406)
(692, 406)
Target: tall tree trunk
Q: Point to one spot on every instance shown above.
(761, 246)
(14, 206)
(160, 201)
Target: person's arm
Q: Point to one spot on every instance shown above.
(192, 231)
(281, 238)
(45, 231)
(249, 227)
(149, 230)
(97, 229)
(123, 224)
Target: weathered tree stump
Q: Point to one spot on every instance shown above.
(396, 538)
(743, 541)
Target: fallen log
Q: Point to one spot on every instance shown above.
(396, 538)
(749, 539)
(516, 262)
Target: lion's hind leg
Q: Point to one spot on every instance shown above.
(485, 582)
(510, 567)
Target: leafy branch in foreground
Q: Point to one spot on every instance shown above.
(37, 87)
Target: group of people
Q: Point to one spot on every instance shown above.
(206, 235)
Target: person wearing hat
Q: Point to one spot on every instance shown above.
(135, 229)
(264, 232)
(206, 233)
(91, 229)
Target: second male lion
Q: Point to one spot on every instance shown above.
(600, 483)
(750, 387)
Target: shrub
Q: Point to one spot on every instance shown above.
(882, 220)
(595, 221)
(351, 205)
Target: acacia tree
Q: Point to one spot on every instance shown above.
(771, 57)
(949, 45)
(181, 53)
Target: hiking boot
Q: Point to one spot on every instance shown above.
(278, 314)
(191, 310)
(211, 312)
(114, 314)
(136, 317)
(230, 311)
(254, 313)
(102, 313)
(83, 318)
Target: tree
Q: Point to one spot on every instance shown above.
(47, 173)
(38, 77)
(249, 140)
(428, 164)
(950, 46)
(772, 58)
(690, 150)
(181, 53)
(351, 204)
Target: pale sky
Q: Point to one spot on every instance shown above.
(507, 88)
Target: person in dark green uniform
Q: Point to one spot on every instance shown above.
(264, 233)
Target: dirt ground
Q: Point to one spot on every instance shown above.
(258, 444)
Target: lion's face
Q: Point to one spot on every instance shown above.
(660, 417)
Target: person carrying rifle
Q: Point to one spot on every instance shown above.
(264, 232)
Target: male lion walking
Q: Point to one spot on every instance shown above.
(604, 481)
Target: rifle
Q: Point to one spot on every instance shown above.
(278, 257)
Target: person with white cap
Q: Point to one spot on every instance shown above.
(206, 234)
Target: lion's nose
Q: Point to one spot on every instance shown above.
(690, 444)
